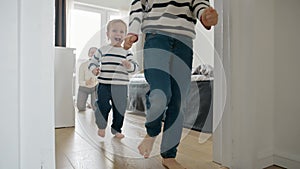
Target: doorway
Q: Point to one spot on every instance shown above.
(218, 89)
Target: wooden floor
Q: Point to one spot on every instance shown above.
(81, 148)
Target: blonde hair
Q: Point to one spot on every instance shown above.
(116, 21)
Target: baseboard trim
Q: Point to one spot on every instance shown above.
(266, 162)
(286, 162)
(267, 159)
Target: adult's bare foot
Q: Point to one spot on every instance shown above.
(171, 163)
(101, 132)
(146, 145)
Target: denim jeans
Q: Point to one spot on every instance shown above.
(167, 67)
(117, 94)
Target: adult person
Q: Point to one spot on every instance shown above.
(87, 84)
(169, 28)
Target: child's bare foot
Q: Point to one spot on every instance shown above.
(171, 163)
(146, 145)
(119, 135)
(101, 132)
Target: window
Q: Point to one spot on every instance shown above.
(88, 27)
(84, 31)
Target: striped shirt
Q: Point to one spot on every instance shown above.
(109, 59)
(178, 17)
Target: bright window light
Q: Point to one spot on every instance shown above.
(85, 31)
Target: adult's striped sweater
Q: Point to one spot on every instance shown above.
(177, 16)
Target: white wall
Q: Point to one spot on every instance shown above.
(263, 73)
(27, 92)
(37, 84)
(252, 57)
(203, 46)
(9, 97)
(264, 83)
(287, 81)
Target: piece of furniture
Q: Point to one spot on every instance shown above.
(197, 112)
(64, 62)
(137, 89)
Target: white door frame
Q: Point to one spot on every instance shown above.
(222, 146)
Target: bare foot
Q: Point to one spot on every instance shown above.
(101, 132)
(146, 145)
(119, 135)
(171, 163)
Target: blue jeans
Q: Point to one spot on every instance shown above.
(117, 94)
(167, 67)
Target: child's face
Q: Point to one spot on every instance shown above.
(116, 33)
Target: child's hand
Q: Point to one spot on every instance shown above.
(129, 40)
(126, 64)
(209, 17)
(96, 71)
